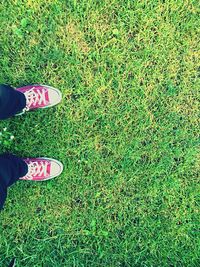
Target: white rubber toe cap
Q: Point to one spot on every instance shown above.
(55, 96)
(56, 168)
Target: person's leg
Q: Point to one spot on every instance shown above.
(18, 101)
(11, 101)
(11, 169)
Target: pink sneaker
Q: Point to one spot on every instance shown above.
(40, 96)
(42, 169)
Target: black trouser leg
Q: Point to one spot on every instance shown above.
(11, 169)
(11, 101)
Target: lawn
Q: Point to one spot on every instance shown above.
(126, 131)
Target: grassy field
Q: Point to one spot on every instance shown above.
(126, 131)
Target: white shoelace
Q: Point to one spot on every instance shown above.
(35, 97)
(37, 169)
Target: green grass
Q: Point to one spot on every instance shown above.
(126, 132)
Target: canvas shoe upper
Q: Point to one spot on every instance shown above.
(40, 96)
(41, 169)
